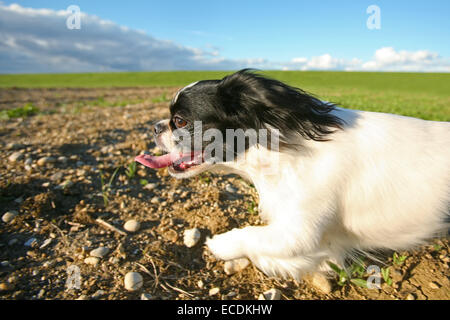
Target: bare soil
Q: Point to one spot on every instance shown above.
(62, 199)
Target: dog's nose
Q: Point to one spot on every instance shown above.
(158, 128)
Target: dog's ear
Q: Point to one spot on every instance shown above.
(261, 102)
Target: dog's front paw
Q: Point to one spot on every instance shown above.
(225, 246)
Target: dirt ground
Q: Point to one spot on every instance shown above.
(87, 133)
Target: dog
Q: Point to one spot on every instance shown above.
(341, 182)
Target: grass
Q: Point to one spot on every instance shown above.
(422, 95)
(27, 110)
(106, 186)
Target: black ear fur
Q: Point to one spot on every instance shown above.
(257, 102)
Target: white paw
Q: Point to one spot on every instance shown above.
(225, 246)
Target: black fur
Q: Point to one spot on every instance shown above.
(246, 100)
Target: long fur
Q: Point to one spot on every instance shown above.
(360, 180)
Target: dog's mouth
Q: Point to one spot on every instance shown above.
(178, 161)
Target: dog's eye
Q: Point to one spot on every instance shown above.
(179, 122)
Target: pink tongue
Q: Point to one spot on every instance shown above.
(159, 162)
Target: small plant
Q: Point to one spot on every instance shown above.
(161, 98)
(385, 272)
(205, 178)
(355, 274)
(437, 247)
(398, 260)
(27, 110)
(143, 182)
(252, 208)
(131, 170)
(106, 188)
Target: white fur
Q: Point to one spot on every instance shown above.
(381, 182)
(181, 90)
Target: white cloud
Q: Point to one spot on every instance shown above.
(37, 40)
(388, 59)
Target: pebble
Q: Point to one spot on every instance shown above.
(14, 146)
(229, 188)
(410, 296)
(98, 294)
(4, 286)
(5, 264)
(62, 159)
(146, 296)
(200, 284)
(272, 294)
(320, 282)
(155, 200)
(132, 226)
(133, 281)
(9, 216)
(45, 160)
(28, 162)
(45, 243)
(100, 252)
(233, 266)
(92, 261)
(150, 186)
(31, 242)
(16, 156)
(214, 291)
(191, 237)
(41, 294)
(434, 285)
(57, 176)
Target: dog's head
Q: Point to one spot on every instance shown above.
(217, 121)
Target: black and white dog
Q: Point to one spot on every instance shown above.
(340, 181)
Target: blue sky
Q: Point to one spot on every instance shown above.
(279, 31)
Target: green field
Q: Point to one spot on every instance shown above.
(423, 95)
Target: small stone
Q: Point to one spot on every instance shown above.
(171, 235)
(319, 281)
(41, 294)
(45, 243)
(62, 159)
(9, 216)
(5, 264)
(31, 242)
(4, 286)
(146, 296)
(92, 261)
(191, 237)
(410, 296)
(28, 162)
(100, 252)
(155, 200)
(57, 176)
(150, 186)
(14, 146)
(272, 294)
(214, 291)
(229, 188)
(133, 281)
(45, 160)
(16, 156)
(233, 266)
(98, 294)
(434, 285)
(200, 284)
(114, 260)
(132, 226)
